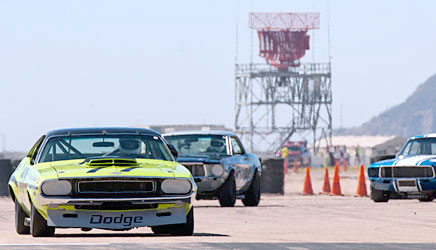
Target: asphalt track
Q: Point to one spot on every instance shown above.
(291, 221)
(223, 246)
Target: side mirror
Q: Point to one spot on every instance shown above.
(173, 150)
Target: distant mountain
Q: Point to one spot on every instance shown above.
(417, 115)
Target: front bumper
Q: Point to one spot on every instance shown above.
(208, 183)
(404, 185)
(115, 219)
(67, 212)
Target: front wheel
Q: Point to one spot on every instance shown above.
(379, 195)
(184, 229)
(227, 192)
(252, 196)
(20, 217)
(38, 225)
(427, 198)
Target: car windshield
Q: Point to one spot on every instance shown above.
(424, 146)
(192, 145)
(99, 146)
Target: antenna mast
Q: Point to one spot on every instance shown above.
(277, 99)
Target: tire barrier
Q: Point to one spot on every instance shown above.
(272, 180)
(15, 164)
(381, 158)
(6, 171)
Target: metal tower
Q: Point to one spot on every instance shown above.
(283, 97)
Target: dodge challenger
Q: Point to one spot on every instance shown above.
(107, 178)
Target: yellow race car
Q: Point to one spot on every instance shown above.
(107, 178)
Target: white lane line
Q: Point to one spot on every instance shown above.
(57, 244)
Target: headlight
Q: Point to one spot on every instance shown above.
(217, 170)
(176, 186)
(373, 172)
(56, 188)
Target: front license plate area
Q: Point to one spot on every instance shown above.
(407, 186)
(115, 220)
(407, 183)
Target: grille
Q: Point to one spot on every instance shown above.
(116, 206)
(407, 172)
(116, 186)
(195, 169)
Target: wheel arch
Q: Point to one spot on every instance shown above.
(230, 169)
(11, 193)
(256, 171)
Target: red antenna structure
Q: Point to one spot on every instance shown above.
(283, 38)
(283, 99)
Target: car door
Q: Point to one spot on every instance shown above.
(24, 174)
(242, 166)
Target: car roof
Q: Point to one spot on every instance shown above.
(432, 135)
(201, 132)
(101, 130)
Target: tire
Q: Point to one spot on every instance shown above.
(20, 216)
(38, 225)
(227, 192)
(160, 230)
(429, 198)
(379, 195)
(184, 229)
(252, 196)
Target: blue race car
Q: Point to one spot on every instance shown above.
(221, 166)
(410, 175)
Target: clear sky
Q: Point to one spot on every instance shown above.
(120, 63)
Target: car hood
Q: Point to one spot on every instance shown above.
(418, 160)
(144, 168)
(202, 159)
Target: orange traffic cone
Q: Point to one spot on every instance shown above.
(295, 166)
(337, 163)
(336, 186)
(307, 189)
(361, 185)
(344, 165)
(326, 185)
(285, 166)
